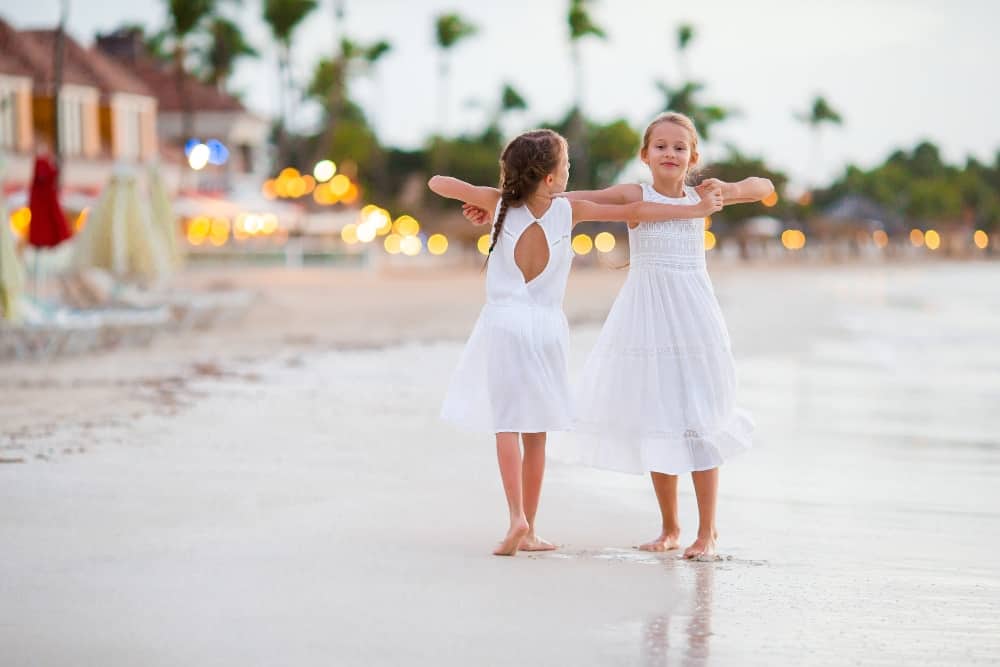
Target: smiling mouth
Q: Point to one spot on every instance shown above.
(669, 164)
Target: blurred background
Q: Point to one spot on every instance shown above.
(303, 131)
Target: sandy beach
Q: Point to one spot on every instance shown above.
(281, 491)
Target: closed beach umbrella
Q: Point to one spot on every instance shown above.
(48, 226)
(120, 235)
(11, 271)
(163, 216)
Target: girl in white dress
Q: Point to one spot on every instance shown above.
(512, 377)
(657, 393)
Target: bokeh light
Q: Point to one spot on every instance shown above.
(349, 234)
(483, 244)
(199, 156)
(793, 239)
(981, 239)
(770, 200)
(267, 189)
(392, 244)
(880, 238)
(437, 244)
(268, 223)
(932, 239)
(709, 240)
(324, 170)
(20, 220)
(218, 231)
(217, 152)
(582, 244)
(81, 220)
(916, 237)
(366, 232)
(339, 185)
(411, 245)
(604, 242)
(198, 229)
(406, 225)
(351, 195)
(322, 195)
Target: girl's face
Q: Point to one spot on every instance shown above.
(557, 180)
(669, 153)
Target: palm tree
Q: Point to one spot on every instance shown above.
(450, 29)
(283, 16)
(580, 26)
(331, 77)
(684, 99)
(510, 100)
(185, 18)
(227, 46)
(820, 114)
(685, 33)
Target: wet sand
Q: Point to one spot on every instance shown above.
(282, 492)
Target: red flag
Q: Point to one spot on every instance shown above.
(48, 222)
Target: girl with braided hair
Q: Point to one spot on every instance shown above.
(512, 378)
(657, 394)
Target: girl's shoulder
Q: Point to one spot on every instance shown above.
(632, 191)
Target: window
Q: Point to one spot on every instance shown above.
(70, 124)
(12, 120)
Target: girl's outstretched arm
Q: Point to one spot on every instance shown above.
(453, 188)
(644, 211)
(624, 193)
(741, 192)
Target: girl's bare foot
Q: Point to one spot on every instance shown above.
(532, 542)
(703, 547)
(508, 547)
(667, 541)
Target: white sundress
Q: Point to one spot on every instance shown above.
(658, 391)
(512, 375)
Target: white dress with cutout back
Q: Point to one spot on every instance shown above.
(512, 376)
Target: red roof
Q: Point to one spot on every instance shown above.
(26, 56)
(162, 78)
(103, 73)
(126, 47)
(32, 53)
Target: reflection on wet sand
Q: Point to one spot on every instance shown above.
(692, 648)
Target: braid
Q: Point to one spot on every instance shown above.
(498, 225)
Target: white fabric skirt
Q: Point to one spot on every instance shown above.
(658, 392)
(512, 375)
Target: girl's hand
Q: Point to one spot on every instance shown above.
(711, 201)
(708, 184)
(476, 215)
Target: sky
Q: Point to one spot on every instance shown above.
(899, 71)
